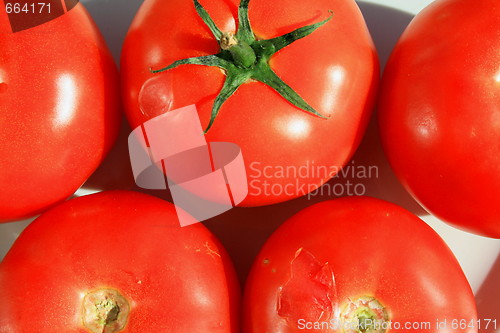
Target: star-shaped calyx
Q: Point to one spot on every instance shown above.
(243, 58)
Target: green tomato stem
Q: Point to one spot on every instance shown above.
(243, 55)
(244, 58)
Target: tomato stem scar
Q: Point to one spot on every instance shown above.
(364, 315)
(105, 311)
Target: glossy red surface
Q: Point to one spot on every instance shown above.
(439, 112)
(59, 111)
(335, 69)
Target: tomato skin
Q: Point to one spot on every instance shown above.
(59, 111)
(335, 69)
(175, 279)
(373, 248)
(439, 115)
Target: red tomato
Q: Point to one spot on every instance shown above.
(334, 69)
(121, 256)
(439, 112)
(361, 260)
(59, 101)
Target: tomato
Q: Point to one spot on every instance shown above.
(356, 260)
(439, 114)
(334, 71)
(59, 110)
(119, 258)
